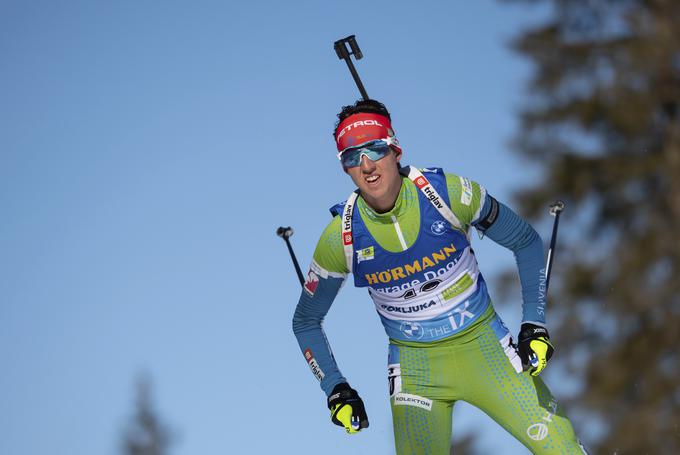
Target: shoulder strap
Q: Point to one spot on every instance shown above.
(346, 224)
(431, 194)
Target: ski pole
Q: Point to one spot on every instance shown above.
(285, 233)
(555, 210)
(344, 54)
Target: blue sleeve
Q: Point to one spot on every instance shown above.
(511, 231)
(307, 326)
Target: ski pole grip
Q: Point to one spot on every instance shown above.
(556, 207)
(284, 232)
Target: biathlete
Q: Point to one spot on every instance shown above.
(404, 234)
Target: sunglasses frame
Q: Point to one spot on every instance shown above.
(366, 145)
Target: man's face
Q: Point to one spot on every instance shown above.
(379, 181)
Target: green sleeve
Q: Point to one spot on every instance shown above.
(466, 198)
(329, 252)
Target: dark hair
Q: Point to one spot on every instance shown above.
(370, 106)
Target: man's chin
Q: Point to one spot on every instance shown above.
(373, 196)
(372, 192)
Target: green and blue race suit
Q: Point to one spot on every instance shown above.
(446, 342)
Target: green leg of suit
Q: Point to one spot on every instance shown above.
(427, 379)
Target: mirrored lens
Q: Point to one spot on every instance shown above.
(374, 150)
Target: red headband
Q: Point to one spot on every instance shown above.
(364, 127)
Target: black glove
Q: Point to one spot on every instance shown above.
(347, 409)
(535, 348)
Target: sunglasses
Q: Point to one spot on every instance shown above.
(374, 150)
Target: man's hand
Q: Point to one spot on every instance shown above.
(535, 348)
(347, 409)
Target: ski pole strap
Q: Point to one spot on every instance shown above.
(346, 223)
(435, 199)
(342, 392)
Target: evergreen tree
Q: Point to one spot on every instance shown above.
(603, 126)
(464, 445)
(145, 435)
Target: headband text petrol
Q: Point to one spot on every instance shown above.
(363, 127)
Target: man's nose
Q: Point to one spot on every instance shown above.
(367, 165)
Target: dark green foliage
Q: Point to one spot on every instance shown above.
(145, 435)
(465, 445)
(603, 125)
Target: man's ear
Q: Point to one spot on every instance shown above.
(397, 153)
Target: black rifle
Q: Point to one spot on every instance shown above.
(344, 54)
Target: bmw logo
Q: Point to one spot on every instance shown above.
(438, 227)
(412, 330)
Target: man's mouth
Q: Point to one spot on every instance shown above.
(372, 178)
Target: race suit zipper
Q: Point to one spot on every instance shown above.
(399, 233)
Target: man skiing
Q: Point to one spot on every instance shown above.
(405, 236)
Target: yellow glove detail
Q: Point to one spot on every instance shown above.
(343, 413)
(541, 346)
(347, 408)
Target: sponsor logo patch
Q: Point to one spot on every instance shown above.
(394, 378)
(466, 191)
(412, 330)
(458, 287)
(366, 254)
(406, 399)
(356, 125)
(537, 431)
(417, 266)
(311, 283)
(408, 309)
(438, 227)
(432, 196)
(462, 312)
(421, 182)
(430, 286)
(347, 224)
(313, 365)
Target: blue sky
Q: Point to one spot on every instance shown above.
(149, 150)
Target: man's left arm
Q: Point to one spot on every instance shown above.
(502, 225)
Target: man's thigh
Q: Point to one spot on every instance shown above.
(519, 402)
(421, 402)
(418, 430)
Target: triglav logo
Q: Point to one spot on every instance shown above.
(313, 365)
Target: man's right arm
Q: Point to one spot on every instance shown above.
(326, 276)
